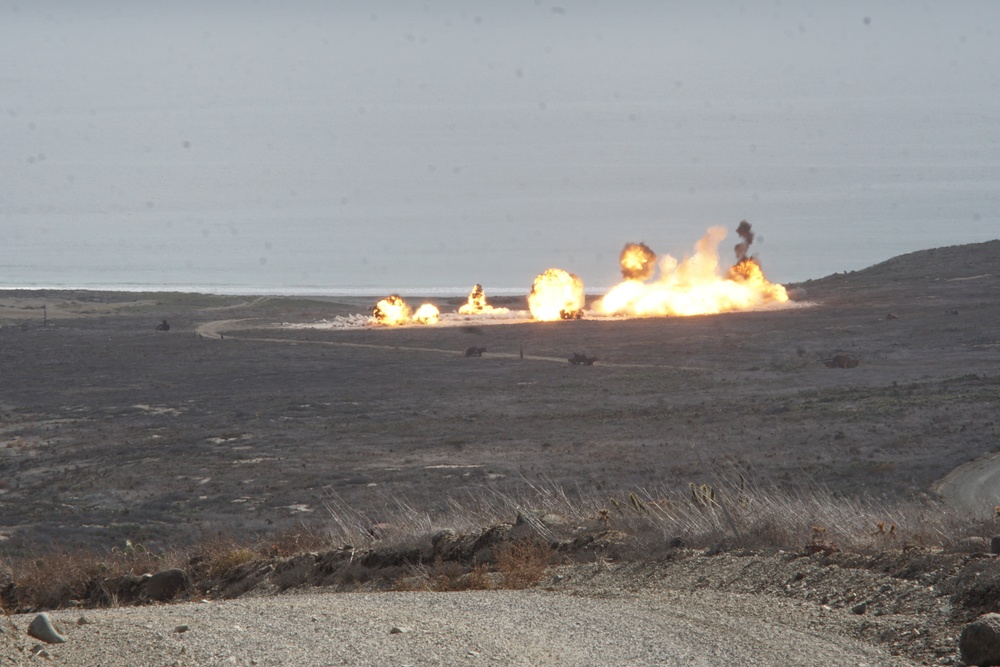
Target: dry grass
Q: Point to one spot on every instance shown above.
(523, 564)
(446, 576)
(640, 525)
(55, 580)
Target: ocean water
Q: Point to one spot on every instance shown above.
(308, 148)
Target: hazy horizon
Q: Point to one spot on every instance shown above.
(268, 146)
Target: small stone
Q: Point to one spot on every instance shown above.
(42, 628)
(398, 630)
(859, 608)
(181, 628)
(83, 620)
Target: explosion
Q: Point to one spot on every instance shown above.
(695, 285)
(427, 314)
(393, 311)
(477, 305)
(652, 286)
(556, 295)
(638, 262)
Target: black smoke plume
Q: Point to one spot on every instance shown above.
(743, 247)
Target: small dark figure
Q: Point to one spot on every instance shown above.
(841, 361)
(163, 326)
(578, 359)
(474, 351)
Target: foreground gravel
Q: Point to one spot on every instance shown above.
(535, 627)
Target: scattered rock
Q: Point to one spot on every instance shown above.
(164, 585)
(980, 641)
(892, 316)
(474, 351)
(42, 628)
(841, 361)
(974, 544)
(83, 620)
(399, 629)
(181, 628)
(443, 535)
(859, 608)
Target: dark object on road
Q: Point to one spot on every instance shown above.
(841, 361)
(578, 359)
(163, 326)
(474, 351)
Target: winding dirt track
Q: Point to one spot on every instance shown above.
(973, 485)
(216, 328)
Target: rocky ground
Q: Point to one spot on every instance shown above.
(228, 422)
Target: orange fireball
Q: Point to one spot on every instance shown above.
(476, 305)
(391, 311)
(556, 295)
(427, 314)
(638, 262)
(695, 286)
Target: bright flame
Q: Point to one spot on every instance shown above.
(556, 295)
(427, 314)
(749, 272)
(694, 286)
(638, 262)
(391, 311)
(477, 305)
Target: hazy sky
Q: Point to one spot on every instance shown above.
(446, 143)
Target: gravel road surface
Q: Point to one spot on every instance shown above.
(973, 485)
(468, 628)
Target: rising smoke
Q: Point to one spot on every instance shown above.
(743, 247)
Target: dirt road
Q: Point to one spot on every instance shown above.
(664, 628)
(974, 485)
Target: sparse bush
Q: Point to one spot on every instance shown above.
(217, 557)
(522, 564)
(56, 580)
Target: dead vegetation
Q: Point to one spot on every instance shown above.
(498, 541)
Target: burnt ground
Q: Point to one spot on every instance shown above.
(110, 430)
